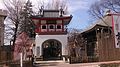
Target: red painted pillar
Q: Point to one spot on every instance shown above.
(39, 25)
(62, 26)
(47, 28)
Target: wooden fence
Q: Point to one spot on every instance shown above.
(16, 64)
(106, 48)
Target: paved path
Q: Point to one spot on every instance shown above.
(63, 64)
(60, 63)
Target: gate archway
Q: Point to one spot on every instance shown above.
(52, 49)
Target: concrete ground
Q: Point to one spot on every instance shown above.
(60, 63)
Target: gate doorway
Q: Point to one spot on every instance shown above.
(52, 50)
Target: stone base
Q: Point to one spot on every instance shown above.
(65, 58)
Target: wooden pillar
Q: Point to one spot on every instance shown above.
(0, 53)
(39, 25)
(55, 27)
(47, 28)
(62, 26)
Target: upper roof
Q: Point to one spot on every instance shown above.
(53, 15)
(106, 21)
(51, 10)
(50, 14)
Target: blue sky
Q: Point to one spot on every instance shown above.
(79, 9)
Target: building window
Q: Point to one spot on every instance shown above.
(43, 27)
(58, 26)
(51, 27)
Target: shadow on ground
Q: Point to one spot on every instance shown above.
(46, 64)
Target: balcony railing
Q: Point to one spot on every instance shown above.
(52, 31)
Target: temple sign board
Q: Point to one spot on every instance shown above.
(116, 29)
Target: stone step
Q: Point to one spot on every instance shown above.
(39, 59)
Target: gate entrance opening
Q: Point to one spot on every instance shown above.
(52, 50)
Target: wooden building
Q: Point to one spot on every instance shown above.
(101, 41)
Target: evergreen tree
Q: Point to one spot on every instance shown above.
(26, 24)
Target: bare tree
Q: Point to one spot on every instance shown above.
(57, 4)
(14, 8)
(53, 5)
(99, 8)
(22, 45)
(19, 16)
(77, 46)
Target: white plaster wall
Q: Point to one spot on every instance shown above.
(61, 38)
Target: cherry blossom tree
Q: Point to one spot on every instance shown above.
(22, 45)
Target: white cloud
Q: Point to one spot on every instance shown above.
(78, 5)
(38, 2)
(73, 5)
(2, 5)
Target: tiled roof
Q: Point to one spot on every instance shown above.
(106, 21)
